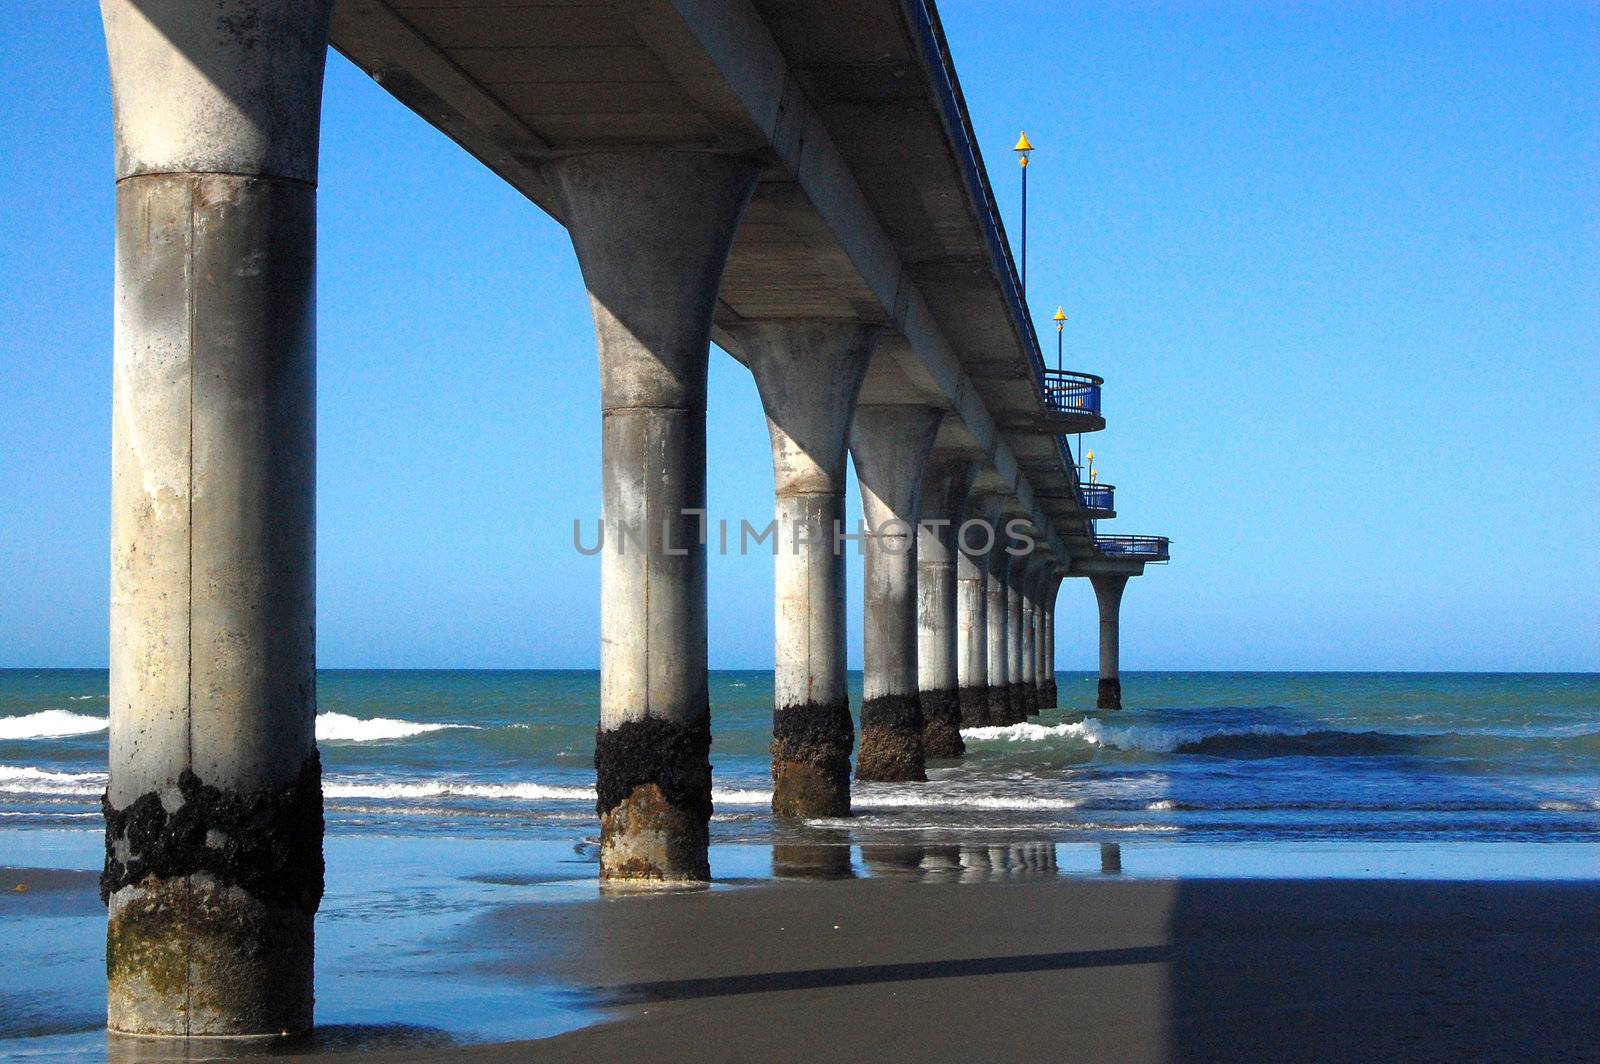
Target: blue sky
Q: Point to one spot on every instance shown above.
(1339, 264)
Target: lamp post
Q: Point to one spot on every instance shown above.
(1060, 320)
(1022, 148)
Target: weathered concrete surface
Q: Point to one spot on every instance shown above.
(1108, 590)
(890, 445)
(1016, 685)
(809, 374)
(213, 811)
(946, 480)
(1030, 660)
(1050, 697)
(972, 628)
(997, 618)
(652, 230)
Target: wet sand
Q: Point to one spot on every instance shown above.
(1096, 969)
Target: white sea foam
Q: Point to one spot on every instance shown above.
(50, 724)
(25, 779)
(342, 728)
(1096, 733)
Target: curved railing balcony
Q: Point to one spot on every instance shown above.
(1072, 401)
(1134, 548)
(1098, 499)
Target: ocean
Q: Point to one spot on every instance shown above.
(454, 798)
(1203, 757)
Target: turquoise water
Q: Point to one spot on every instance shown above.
(1203, 757)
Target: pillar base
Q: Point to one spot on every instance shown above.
(1017, 702)
(811, 760)
(973, 703)
(941, 724)
(1030, 700)
(211, 906)
(654, 779)
(999, 706)
(1110, 695)
(891, 741)
(1051, 698)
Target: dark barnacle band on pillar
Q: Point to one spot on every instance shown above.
(654, 782)
(891, 740)
(811, 759)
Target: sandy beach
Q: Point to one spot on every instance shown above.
(1177, 970)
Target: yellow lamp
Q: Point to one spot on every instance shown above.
(1022, 149)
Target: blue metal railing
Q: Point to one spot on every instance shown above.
(1097, 496)
(1140, 548)
(1072, 393)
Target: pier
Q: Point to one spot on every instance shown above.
(800, 185)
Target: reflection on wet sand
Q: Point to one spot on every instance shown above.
(954, 863)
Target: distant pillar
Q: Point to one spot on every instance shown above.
(945, 483)
(1108, 595)
(995, 649)
(652, 231)
(809, 373)
(1047, 638)
(1030, 664)
(213, 868)
(1016, 570)
(972, 671)
(890, 445)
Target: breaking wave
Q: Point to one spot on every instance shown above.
(1267, 740)
(342, 728)
(50, 724)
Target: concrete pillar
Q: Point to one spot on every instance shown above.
(1030, 629)
(972, 671)
(652, 231)
(1016, 698)
(1050, 587)
(890, 445)
(809, 373)
(945, 483)
(1108, 595)
(213, 868)
(995, 644)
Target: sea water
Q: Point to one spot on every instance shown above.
(449, 794)
(1199, 757)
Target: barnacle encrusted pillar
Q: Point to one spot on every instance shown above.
(1016, 698)
(996, 618)
(213, 868)
(890, 445)
(808, 374)
(973, 535)
(652, 231)
(945, 482)
(1108, 588)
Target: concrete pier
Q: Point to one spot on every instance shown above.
(1016, 697)
(972, 629)
(945, 483)
(1108, 588)
(652, 230)
(213, 869)
(890, 445)
(809, 374)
